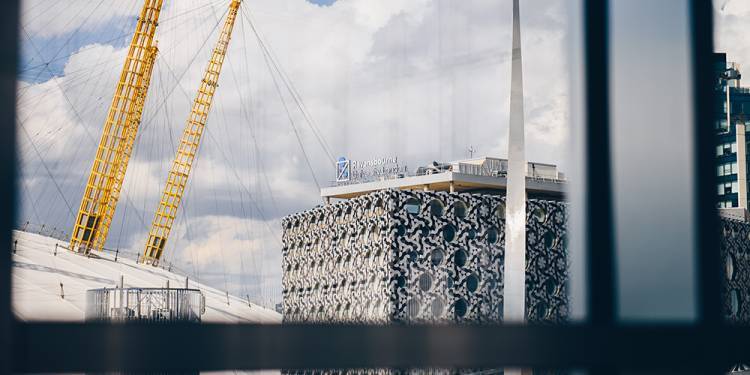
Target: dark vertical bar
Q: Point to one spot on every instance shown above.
(598, 221)
(707, 231)
(8, 62)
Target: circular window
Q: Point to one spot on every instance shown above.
(500, 211)
(437, 208)
(730, 267)
(492, 235)
(471, 233)
(449, 233)
(401, 281)
(437, 257)
(413, 206)
(460, 258)
(413, 308)
(437, 307)
(541, 311)
(425, 282)
(734, 300)
(551, 287)
(424, 230)
(459, 209)
(472, 283)
(549, 239)
(400, 230)
(540, 214)
(461, 307)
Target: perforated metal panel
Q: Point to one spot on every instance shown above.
(418, 257)
(735, 251)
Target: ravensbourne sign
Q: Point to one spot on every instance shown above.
(348, 171)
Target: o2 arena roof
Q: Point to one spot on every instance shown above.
(38, 274)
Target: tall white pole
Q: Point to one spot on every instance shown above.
(514, 309)
(514, 294)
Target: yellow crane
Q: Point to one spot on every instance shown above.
(131, 132)
(188, 146)
(92, 223)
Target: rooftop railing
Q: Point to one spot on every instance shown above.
(145, 304)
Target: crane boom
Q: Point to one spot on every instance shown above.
(188, 146)
(109, 154)
(134, 122)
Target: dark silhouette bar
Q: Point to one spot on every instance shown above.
(599, 345)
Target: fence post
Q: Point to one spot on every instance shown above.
(117, 252)
(62, 291)
(15, 246)
(55, 249)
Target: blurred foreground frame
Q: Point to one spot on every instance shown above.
(601, 345)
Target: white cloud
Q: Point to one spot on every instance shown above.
(732, 29)
(44, 18)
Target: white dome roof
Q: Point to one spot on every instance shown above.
(37, 274)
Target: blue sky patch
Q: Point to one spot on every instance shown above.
(322, 2)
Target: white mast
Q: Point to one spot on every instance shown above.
(515, 213)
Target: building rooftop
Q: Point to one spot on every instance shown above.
(736, 213)
(479, 175)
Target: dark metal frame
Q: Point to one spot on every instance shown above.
(600, 345)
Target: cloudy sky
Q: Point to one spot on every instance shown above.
(422, 80)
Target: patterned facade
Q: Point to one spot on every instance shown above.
(735, 251)
(397, 256)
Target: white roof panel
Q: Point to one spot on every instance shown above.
(38, 274)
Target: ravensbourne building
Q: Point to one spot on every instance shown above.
(425, 248)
